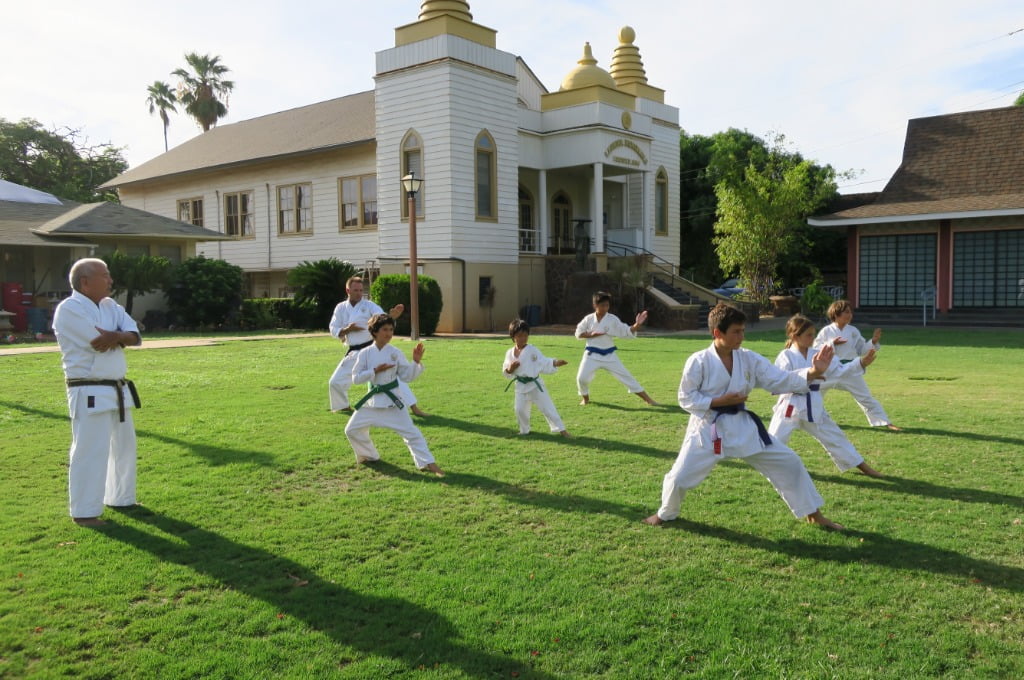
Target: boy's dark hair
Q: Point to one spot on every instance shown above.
(518, 326)
(378, 321)
(723, 316)
(837, 308)
(602, 296)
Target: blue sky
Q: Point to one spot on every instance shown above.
(839, 80)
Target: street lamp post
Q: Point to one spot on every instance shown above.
(412, 185)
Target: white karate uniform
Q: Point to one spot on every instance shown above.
(592, 362)
(791, 410)
(102, 458)
(856, 346)
(705, 378)
(380, 410)
(341, 380)
(532, 363)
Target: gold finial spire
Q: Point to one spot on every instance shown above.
(627, 66)
(587, 73)
(434, 8)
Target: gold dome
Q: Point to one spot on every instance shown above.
(588, 73)
(434, 8)
(627, 66)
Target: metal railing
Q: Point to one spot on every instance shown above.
(927, 298)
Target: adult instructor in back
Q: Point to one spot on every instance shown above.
(92, 331)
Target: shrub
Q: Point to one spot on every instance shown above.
(205, 292)
(321, 284)
(815, 300)
(391, 289)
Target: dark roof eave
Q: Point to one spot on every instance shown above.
(235, 164)
(828, 221)
(148, 237)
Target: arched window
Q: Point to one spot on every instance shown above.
(661, 203)
(412, 161)
(486, 177)
(528, 241)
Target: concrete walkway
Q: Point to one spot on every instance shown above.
(765, 324)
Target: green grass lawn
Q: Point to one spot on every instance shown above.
(262, 550)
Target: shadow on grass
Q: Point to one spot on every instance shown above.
(958, 434)
(510, 434)
(214, 455)
(378, 626)
(917, 487)
(876, 549)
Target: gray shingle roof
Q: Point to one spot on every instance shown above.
(961, 162)
(318, 127)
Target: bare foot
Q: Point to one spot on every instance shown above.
(646, 397)
(585, 399)
(347, 409)
(824, 522)
(653, 520)
(417, 411)
(893, 427)
(432, 467)
(565, 433)
(89, 521)
(868, 470)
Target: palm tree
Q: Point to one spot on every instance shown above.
(161, 98)
(201, 89)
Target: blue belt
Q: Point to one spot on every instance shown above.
(598, 350)
(762, 431)
(814, 387)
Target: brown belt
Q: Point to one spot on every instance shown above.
(116, 384)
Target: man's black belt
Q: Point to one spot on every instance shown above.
(116, 384)
(356, 348)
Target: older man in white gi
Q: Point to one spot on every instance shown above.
(92, 331)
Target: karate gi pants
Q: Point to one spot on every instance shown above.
(101, 470)
(611, 363)
(524, 402)
(397, 419)
(778, 463)
(825, 430)
(854, 383)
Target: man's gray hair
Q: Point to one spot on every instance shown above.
(82, 268)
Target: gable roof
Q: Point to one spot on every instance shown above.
(317, 127)
(17, 219)
(968, 164)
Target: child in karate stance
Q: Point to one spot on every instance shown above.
(381, 365)
(849, 345)
(523, 365)
(807, 411)
(599, 330)
(713, 389)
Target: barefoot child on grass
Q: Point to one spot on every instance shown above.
(849, 345)
(523, 365)
(599, 330)
(807, 411)
(714, 388)
(381, 365)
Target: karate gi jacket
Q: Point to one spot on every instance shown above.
(791, 359)
(856, 345)
(345, 313)
(611, 326)
(532, 363)
(371, 357)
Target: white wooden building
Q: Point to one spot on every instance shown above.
(511, 171)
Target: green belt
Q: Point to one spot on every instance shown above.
(382, 389)
(525, 381)
(845, 361)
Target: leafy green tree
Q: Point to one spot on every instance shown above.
(59, 161)
(1020, 100)
(205, 292)
(321, 284)
(202, 88)
(762, 217)
(136, 275)
(161, 98)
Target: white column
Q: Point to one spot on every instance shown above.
(543, 211)
(597, 207)
(646, 226)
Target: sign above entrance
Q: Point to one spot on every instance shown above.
(626, 144)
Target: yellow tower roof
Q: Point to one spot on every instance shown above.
(627, 69)
(588, 73)
(434, 8)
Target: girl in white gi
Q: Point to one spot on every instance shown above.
(381, 365)
(599, 330)
(713, 389)
(523, 365)
(849, 345)
(807, 411)
(348, 324)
